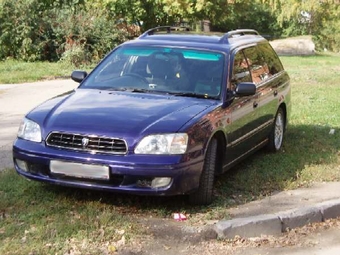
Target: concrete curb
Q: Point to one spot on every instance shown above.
(277, 223)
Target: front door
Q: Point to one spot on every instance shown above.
(243, 112)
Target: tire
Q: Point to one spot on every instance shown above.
(277, 133)
(203, 195)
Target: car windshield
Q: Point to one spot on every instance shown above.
(178, 71)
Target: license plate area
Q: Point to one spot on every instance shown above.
(79, 170)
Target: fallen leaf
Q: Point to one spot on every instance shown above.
(166, 247)
(112, 248)
(120, 232)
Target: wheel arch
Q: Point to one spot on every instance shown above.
(221, 147)
(283, 106)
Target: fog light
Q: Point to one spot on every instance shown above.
(21, 164)
(159, 182)
(145, 183)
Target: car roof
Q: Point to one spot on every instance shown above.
(213, 41)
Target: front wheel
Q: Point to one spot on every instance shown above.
(276, 135)
(203, 196)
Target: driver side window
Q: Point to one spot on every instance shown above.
(240, 72)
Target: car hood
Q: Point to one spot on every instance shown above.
(119, 114)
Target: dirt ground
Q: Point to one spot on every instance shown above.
(168, 239)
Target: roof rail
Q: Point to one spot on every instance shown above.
(237, 33)
(153, 30)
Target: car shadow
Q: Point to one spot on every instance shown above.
(259, 175)
(264, 173)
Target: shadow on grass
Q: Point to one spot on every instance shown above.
(259, 175)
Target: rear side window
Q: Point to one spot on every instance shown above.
(271, 58)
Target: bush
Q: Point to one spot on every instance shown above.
(82, 37)
(52, 31)
(328, 36)
(19, 29)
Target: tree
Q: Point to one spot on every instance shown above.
(54, 29)
(319, 18)
(149, 13)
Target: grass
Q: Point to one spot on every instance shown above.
(41, 219)
(37, 219)
(13, 71)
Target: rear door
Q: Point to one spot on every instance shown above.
(252, 116)
(265, 72)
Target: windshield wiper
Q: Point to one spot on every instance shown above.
(115, 89)
(138, 90)
(192, 94)
(128, 89)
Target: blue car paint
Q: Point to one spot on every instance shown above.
(146, 114)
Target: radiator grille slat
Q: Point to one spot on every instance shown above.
(89, 143)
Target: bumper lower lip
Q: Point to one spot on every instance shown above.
(130, 189)
(128, 174)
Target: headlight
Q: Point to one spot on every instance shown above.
(163, 144)
(29, 130)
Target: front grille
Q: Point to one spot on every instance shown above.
(89, 143)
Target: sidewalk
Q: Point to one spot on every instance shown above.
(284, 210)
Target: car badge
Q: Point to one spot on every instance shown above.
(85, 142)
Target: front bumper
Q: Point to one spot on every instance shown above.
(129, 173)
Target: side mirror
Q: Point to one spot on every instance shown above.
(245, 89)
(78, 76)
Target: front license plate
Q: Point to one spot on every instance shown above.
(80, 170)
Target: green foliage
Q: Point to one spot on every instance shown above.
(249, 14)
(223, 15)
(19, 29)
(54, 29)
(328, 35)
(79, 31)
(148, 13)
(321, 19)
(83, 36)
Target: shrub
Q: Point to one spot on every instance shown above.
(82, 37)
(54, 30)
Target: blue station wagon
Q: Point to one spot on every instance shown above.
(160, 115)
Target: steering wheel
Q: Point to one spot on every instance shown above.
(137, 76)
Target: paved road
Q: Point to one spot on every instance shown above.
(15, 101)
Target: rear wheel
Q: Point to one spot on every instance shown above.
(276, 135)
(203, 196)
